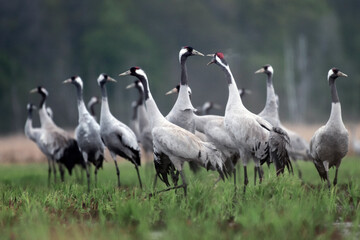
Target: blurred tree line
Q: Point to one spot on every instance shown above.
(43, 42)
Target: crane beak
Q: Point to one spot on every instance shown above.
(174, 90)
(261, 70)
(111, 79)
(212, 61)
(33, 90)
(194, 52)
(130, 86)
(341, 74)
(125, 73)
(67, 81)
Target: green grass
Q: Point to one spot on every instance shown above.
(279, 208)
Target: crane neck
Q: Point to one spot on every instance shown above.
(152, 109)
(184, 76)
(140, 100)
(270, 91)
(234, 99)
(334, 94)
(29, 116)
(335, 119)
(92, 110)
(269, 80)
(28, 124)
(80, 101)
(45, 119)
(43, 99)
(134, 113)
(271, 106)
(105, 110)
(183, 101)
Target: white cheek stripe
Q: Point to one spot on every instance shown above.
(100, 78)
(270, 69)
(141, 72)
(331, 72)
(182, 52)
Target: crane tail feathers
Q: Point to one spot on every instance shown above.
(165, 167)
(278, 153)
(321, 169)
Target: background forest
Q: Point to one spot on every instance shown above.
(43, 42)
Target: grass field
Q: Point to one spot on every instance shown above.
(279, 208)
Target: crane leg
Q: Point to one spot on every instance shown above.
(246, 180)
(138, 174)
(336, 175)
(62, 172)
(82, 174)
(155, 181)
(54, 170)
(88, 176)
(85, 156)
(260, 175)
(326, 165)
(117, 172)
(49, 171)
(298, 168)
(235, 178)
(327, 179)
(255, 172)
(95, 173)
(184, 182)
(183, 185)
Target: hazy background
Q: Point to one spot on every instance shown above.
(43, 42)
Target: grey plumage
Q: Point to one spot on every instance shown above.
(134, 121)
(330, 142)
(174, 143)
(117, 137)
(145, 135)
(60, 146)
(34, 134)
(250, 132)
(182, 113)
(214, 129)
(87, 133)
(298, 147)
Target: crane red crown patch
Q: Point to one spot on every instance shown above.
(220, 55)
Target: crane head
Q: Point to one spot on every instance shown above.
(104, 78)
(335, 73)
(267, 69)
(218, 58)
(188, 51)
(177, 89)
(76, 80)
(41, 90)
(136, 72)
